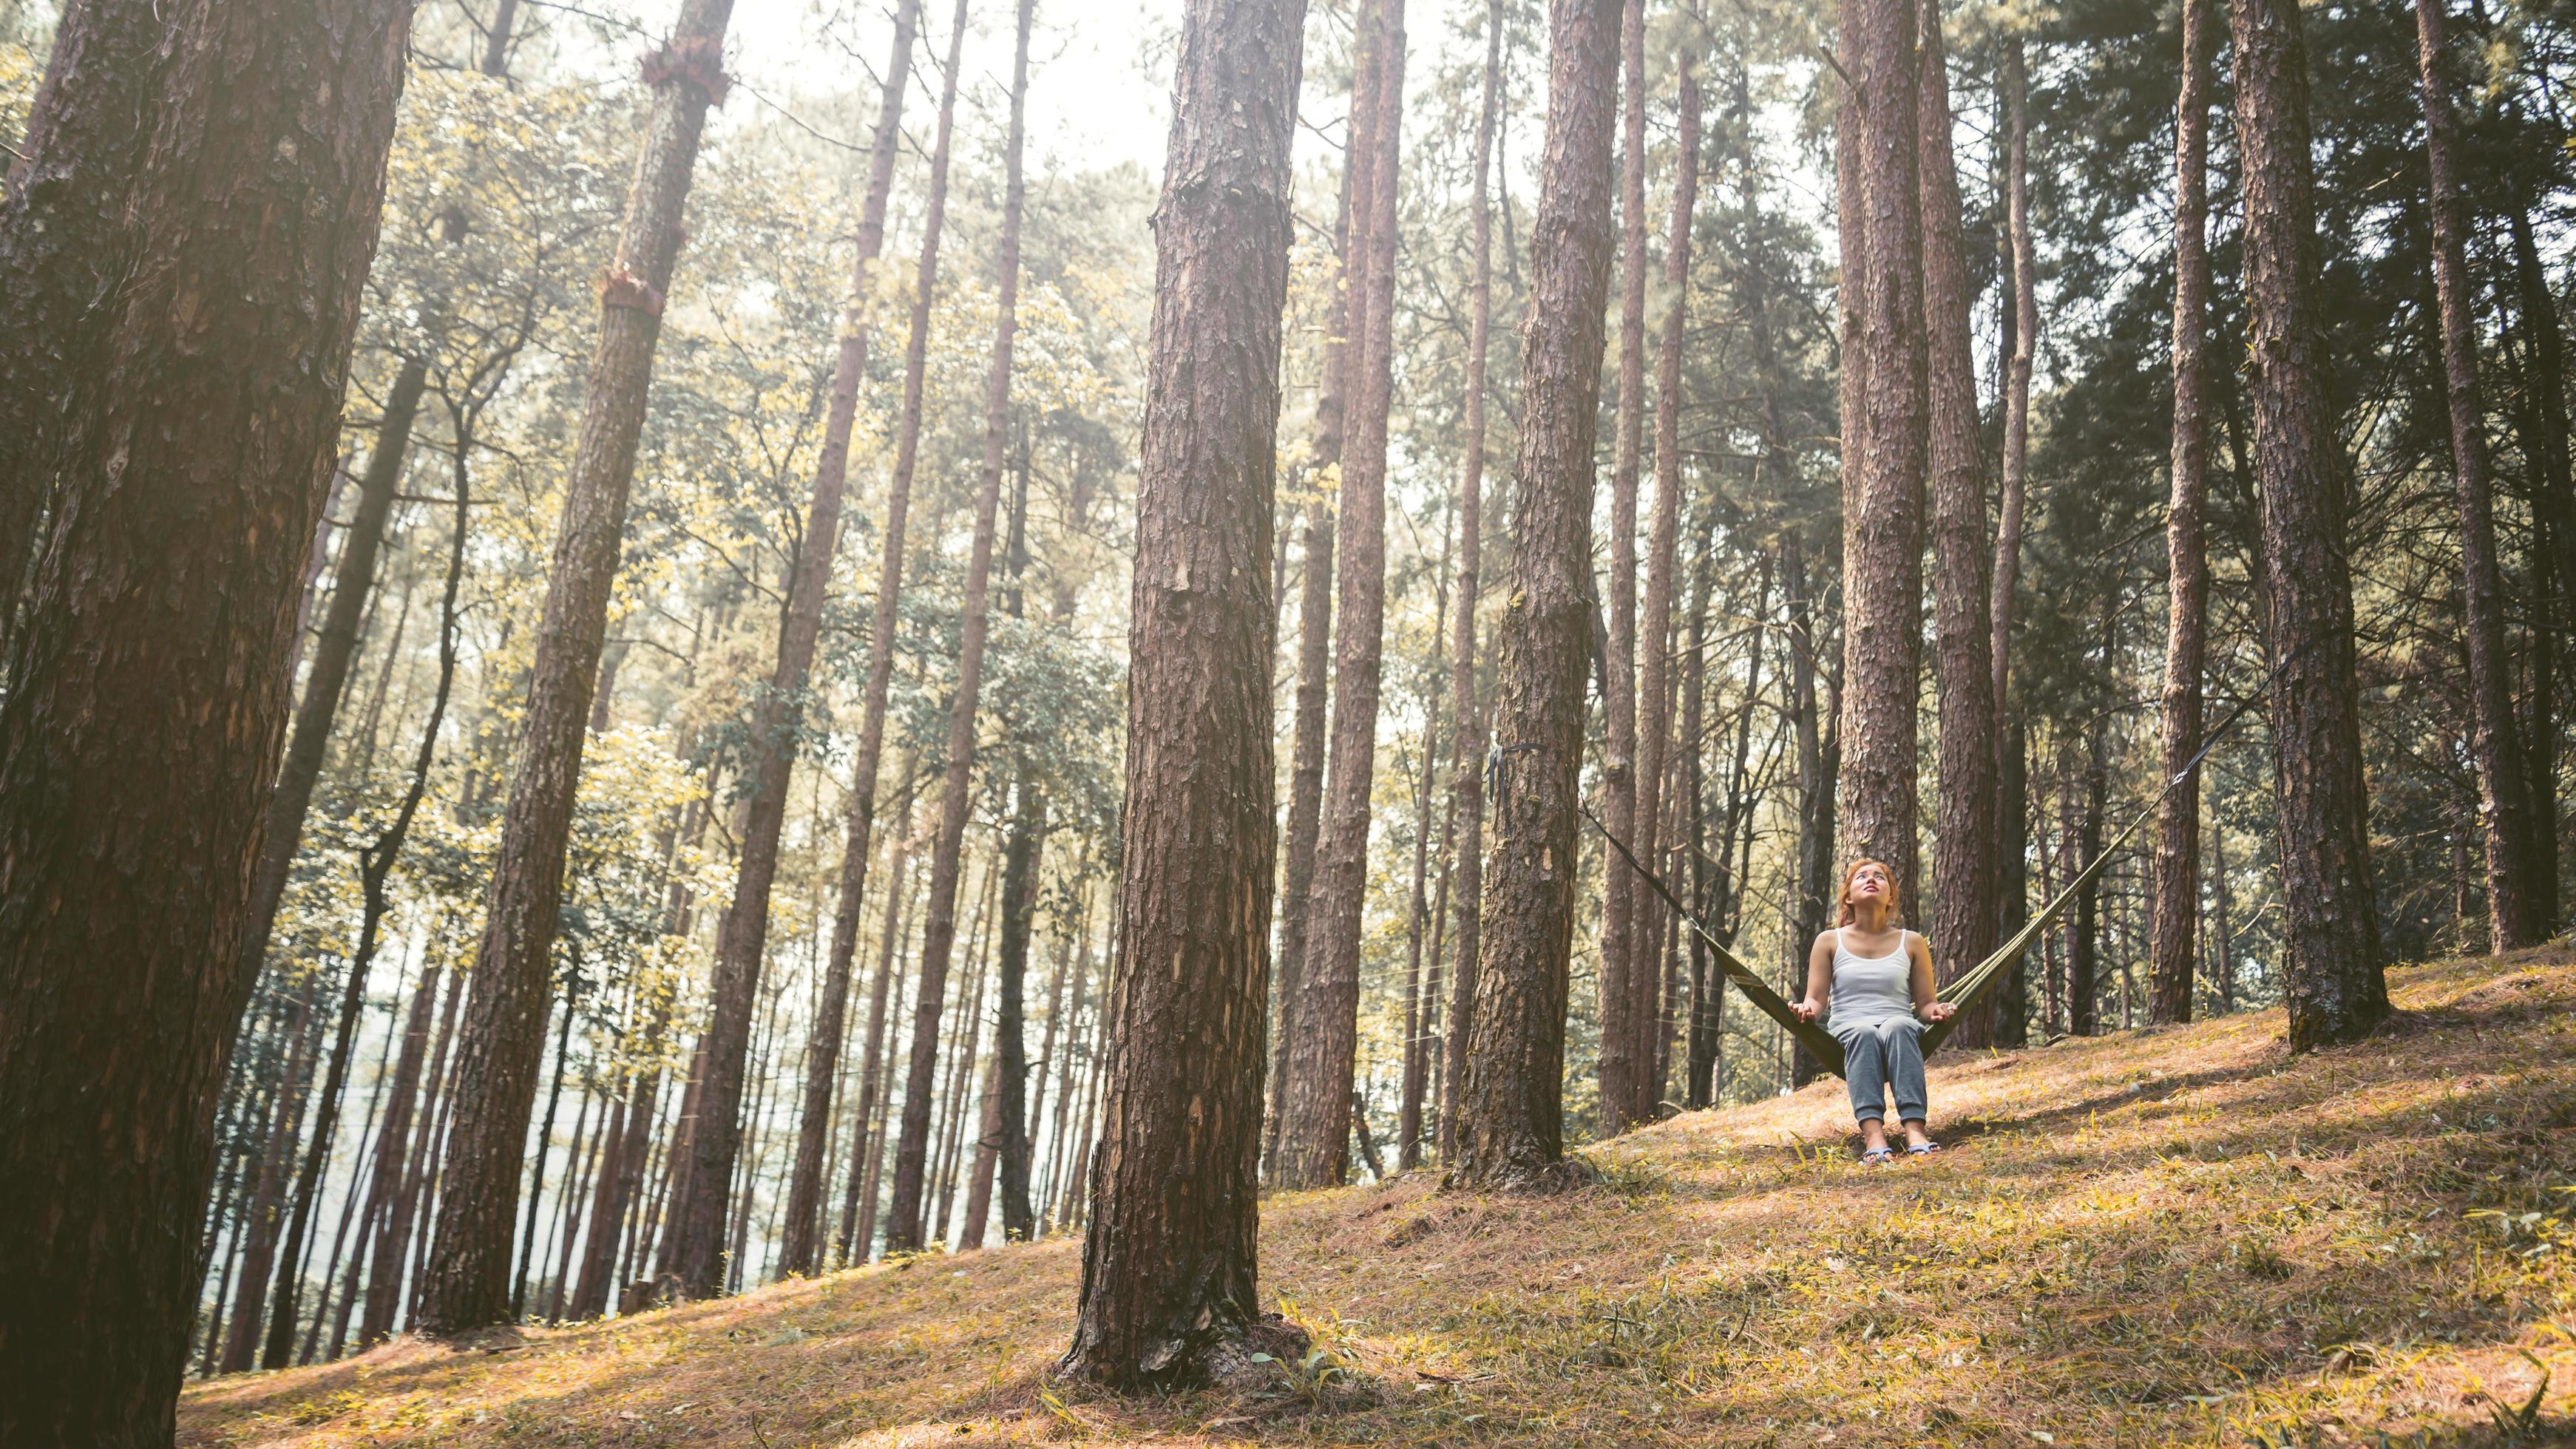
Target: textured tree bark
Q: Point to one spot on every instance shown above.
(1168, 1266)
(1960, 913)
(147, 690)
(1883, 479)
(1663, 551)
(1021, 858)
(1626, 955)
(468, 1278)
(801, 1247)
(64, 244)
(2505, 809)
(1701, 1081)
(1315, 1133)
(1468, 790)
(2084, 947)
(939, 935)
(2332, 973)
(2177, 861)
(1511, 1128)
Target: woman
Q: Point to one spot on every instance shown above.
(1878, 977)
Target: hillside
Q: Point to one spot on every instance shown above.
(2174, 1236)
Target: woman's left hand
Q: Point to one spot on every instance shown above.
(1940, 1011)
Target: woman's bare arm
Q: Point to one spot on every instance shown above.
(1927, 1002)
(1820, 978)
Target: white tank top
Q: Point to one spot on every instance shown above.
(1870, 991)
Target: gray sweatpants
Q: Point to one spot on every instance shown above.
(1877, 1058)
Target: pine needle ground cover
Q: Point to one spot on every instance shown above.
(2157, 1237)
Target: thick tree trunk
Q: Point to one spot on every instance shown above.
(1466, 718)
(2505, 814)
(1626, 955)
(1960, 915)
(147, 690)
(1314, 1136)
(2177, 859)
(2331, 967)
(1655, 674)
(468, 1278)
(802, 1249)
(1883, 481)
(1168, 1268)
(1511, 1128)
(64, 244)
(939, 935)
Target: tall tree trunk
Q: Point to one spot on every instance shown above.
(146, 688)
(1819, 747)
(1466, 718)
(417, 1173)
(852, 1246)
(2331, 967)
(1168, 1268)
(468, 1282)
(1511, 1128)
(1011, 1117)
(2177, 868)
(1626, 955)
(544, 1148)
(2222, 943)
(1700, 1075)
(2553, 506)
(1961, 910)
(1883, 480)
(802, 1248)
(262, 1223)
(2505, 812)
(1305, 791)
(1314, 1137)
(1314, 643)
(2013, 741)
(1408, 1130)
(393, 1149)
(1655, 676)
(2084, 947)
(939, 936)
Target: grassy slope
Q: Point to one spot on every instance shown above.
(2158, 1237)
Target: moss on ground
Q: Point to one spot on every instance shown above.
(2175, 1236)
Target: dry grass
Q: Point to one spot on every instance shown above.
(2160, 1237)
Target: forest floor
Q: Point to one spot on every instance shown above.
(2176, 1236)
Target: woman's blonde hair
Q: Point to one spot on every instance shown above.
(1842, 897)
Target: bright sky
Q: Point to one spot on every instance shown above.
(1099, 70)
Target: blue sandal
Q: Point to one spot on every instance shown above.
(1878, 1157)
(1926, 1150)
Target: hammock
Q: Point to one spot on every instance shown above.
(1972, 984)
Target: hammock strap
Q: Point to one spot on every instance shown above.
(1814, 1038)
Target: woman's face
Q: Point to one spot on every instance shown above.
(1869, 883)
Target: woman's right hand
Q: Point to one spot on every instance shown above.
(1808, 1009)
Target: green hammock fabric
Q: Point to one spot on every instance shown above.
(1972, 984)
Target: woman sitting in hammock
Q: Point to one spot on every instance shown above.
(1878, 977)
